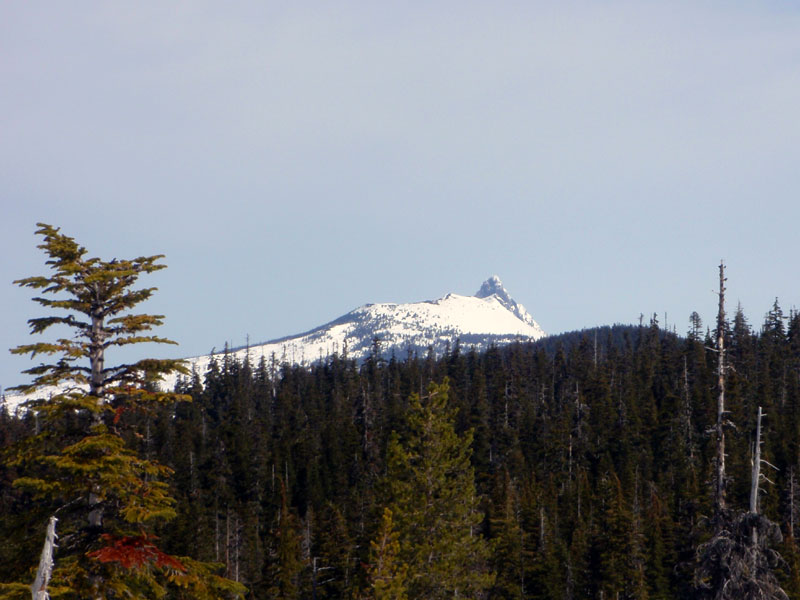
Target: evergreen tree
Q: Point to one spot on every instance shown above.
(333, 555)
(619, 562)
(78, 464)
(431, 493)
(386, 574)
(287, 561)
(543, 568)
(589, 457)
(507, 542)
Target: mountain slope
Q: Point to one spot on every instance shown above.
(491, 316)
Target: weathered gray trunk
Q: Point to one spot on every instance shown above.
(96, 385)
(791, 502)
(754, 481)
(96, 352)
(719, 491)
(45, 570)
(754, 490)
(687, 413)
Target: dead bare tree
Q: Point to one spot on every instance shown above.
(738, 562)
(45, 570)
(719, 480)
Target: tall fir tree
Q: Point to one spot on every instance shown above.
(507, 543)
(287, 562)
(386, 575)
(619, 560)
(431, 493)
(78, 465)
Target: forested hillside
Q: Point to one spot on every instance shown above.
(579, 470)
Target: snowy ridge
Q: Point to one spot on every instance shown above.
(491, 316)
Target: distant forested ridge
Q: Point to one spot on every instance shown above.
(590, 455)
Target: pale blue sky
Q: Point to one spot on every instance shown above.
(296, 160)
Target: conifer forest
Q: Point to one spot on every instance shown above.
(620, 462)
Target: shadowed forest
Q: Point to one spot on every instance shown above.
(615, 463)
(591, 453)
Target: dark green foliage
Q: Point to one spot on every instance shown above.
(81, 463)
(430, 489)
(284, 578)
(589, 455)
(508, 541)
(618, 558)
(334, 560)
(387, 574)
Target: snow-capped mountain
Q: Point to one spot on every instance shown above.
(494, 287)
(491, 316)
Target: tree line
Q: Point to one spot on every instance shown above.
(584, 466)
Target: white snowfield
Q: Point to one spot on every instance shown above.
(489, 317)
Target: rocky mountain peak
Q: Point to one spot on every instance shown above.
(494, 287)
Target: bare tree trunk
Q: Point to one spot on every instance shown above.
(541, 526)
(756, 467)
(719, 491)
(754, 491)
(96, 355)
(45, 570)
(237, 542)
(687, 413)
(97, 337)
(96, 381)
(791, 502)
(227, 541)
(216, 534)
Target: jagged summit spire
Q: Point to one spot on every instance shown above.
(494, 287)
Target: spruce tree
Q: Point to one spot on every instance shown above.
(431, 493)
(507, 543)
(78, 465)
(287, 564)
(619, 561)
(386, 575)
